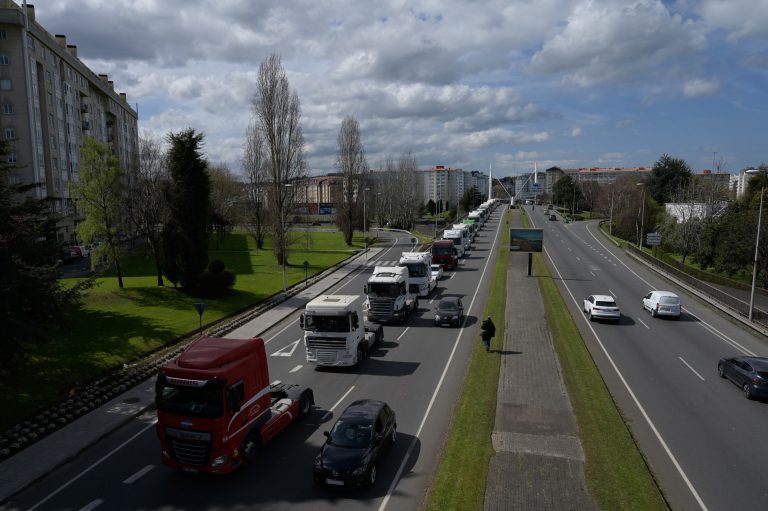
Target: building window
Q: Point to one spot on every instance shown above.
(5, 84)
(11, 157)
(10, 133)
(2, 34)
(4, 60)
(7, 108)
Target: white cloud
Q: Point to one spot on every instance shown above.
(701, 87)
(742, 18)
(575, 132)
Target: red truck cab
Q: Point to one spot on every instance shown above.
(444, 253)
(216, 407)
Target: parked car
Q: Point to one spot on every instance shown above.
(437, 271)
(450, 310)
(749, 373)
(601, 307)
(662, 303)
(353, 446)
(553, 217)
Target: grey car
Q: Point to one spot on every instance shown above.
(449, 311)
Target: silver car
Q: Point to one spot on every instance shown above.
(662, 303)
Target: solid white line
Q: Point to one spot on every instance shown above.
(411, 446)
(138, 474)
(92, 505)
(337, 403)
(632, 394)
(691, 368)
(297, 368)
(614, 294)
(643, 323)
(94, 465)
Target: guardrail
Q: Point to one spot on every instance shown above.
(740, 307)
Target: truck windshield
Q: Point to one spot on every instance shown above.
(326, 323)
(416, 269)
(206, 401)
(383, 290)
(442, 250)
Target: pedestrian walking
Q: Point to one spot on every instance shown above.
(487, 332)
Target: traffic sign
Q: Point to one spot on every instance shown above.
(653, 238)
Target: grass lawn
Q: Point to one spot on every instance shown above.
(115, 326)
(616, 474)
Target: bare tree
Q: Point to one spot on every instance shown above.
(257, 173)
(278, 112)
(147, 208)
(351, 162)
(404, 190)
(225, 192)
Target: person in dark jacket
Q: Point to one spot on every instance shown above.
(487, 332)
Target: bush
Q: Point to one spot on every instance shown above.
(216, 280)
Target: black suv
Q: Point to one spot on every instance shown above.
(450, 310)
(353, 446)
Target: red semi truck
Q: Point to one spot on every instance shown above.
(216, 407)
(444, 253)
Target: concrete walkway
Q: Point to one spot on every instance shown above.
(539, 461)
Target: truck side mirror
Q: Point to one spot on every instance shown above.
(301, 321)
(365, 289)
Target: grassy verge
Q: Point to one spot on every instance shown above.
(460, 482)
(115, 326)
(615, 471)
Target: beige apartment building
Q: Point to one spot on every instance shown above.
(49, 102)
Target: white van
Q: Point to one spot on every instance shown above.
(662, 303)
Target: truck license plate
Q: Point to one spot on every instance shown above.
(335, 482)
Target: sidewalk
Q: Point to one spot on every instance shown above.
(539, 462)
(43, 457)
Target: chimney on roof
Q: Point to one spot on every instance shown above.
(31, 12)
(104, 78)
(124, 97)
(72, 49)
(111, 84)
(61, 39)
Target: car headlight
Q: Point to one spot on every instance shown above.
(360, 471)
(219, 460)
(437, 317)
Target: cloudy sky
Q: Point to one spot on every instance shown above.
(465, 84)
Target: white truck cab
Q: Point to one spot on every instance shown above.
(389, 294)
(419, 274)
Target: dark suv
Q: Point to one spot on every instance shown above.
(353, 446)
(450, 310)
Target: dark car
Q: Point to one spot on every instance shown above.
(450, 310)
(749, 373)
(353, 446)
(553, 217)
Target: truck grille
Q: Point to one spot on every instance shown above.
(191, 448)
(327, 356)
(338, 343)
(381, 308)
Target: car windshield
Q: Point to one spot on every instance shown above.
(383, 290)
(351, 434)
(435, 268)
(448, 307)
(669, 300)
(605, 304)
(326, 323)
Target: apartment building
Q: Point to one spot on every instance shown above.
(49, 102)
(446, 185)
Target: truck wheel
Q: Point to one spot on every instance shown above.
(305, 404)
(415, 305)
(379, 336)
(251, 446)
(359, 355)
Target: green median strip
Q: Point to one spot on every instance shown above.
(616, 474)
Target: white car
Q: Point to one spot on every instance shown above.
(437, 271)
(601, 307)
(662, 303)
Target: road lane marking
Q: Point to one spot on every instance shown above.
(337, 403)
(94, 465)
(288, 350)
(295, 369)
(92, 505)
(691, 368)
(412, 444)
(592, 274)
(632, 395)
(578, 258)
(403, 333)
(643, 323)
(138, 474)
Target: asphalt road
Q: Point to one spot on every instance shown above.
(705, 443)
(418, 370)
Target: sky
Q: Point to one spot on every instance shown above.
(475, 85)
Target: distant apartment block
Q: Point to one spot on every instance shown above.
(50, 102)
(446, 185)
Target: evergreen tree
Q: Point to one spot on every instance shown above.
(185, 237)
(668, 177)
(31, 300)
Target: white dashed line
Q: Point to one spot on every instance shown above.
(691, 368)
(92, 505)
(295, 369)
(138, 474)
(642, 323)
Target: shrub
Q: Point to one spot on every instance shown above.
(216, 280)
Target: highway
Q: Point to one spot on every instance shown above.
(418, 370)
(705, 443)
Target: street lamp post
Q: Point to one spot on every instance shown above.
(642, 216)
(757, 241)
(282, 238)
(365, 228)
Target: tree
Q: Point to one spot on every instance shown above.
(351, 163)
(278, 114)
(32, 302)
(147, 208)
(431, 207)
(256, 170)
(668, 175)
(185, 236)
(99, 196)
(225, 192)
(470, 199)
(566, 193)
